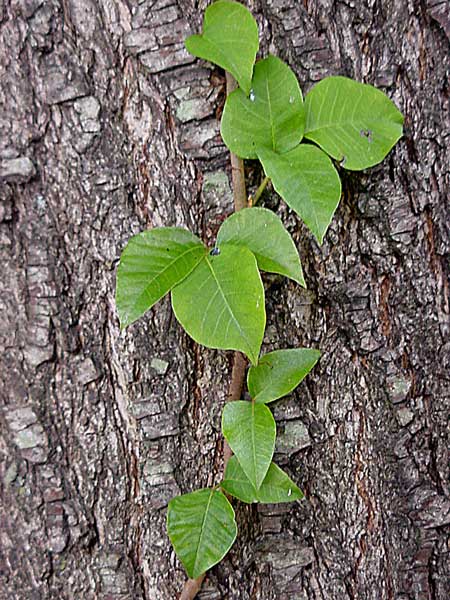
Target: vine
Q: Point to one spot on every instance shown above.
(217, 293)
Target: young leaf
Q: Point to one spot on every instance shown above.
(250, 430)
(263, 232)
(278, 373)
(276, 487)
(353, 122)
(308, 182)
(221, 303)
(229, 39)
(151, 265)
(273, 116)
(202, 529)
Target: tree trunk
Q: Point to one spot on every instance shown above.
(108, 127)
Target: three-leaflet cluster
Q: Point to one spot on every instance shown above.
(344, 123)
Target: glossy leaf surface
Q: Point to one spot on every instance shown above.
(278, 373)
(151, 265)
(229, 39)
(221, 303)
(276, 487)
(263, 232)
(308, 182)
(272, 116)
(353, 122)
(202, 529)
(250, 430)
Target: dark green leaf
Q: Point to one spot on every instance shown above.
(308, 182)
(202, 529)
(221, 303)
(262, 232)
(276, 487)
(273, 116)
(229, 39)
(151, 264)
(278, 373)
(353, 122)
(250, 430)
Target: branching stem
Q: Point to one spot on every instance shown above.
(192, 586)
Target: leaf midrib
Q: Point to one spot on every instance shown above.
(347, 122)
(270, 114)
(254, 443)
(222, 293)
(202, 529)
(160, 273)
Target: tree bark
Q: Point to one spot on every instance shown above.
(108, 126)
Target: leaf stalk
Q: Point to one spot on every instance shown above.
(253, 200)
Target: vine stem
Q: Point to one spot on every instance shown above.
(192, 586)
(237, 164)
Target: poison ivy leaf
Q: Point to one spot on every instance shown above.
(307, 180)
(273, 116)
(221, 303)
(229, 39)
(250, 430)
(353, 122)
(278, 373)
(262, 232)
(151, 264)
(202, 529)
(276, 487)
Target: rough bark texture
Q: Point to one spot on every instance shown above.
(108, 126)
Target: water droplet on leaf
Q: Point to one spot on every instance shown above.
(252, 95)
(215, 252)
(291, 100)
(289, 491)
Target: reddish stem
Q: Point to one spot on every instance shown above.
(192, 586)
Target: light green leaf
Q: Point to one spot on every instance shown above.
(308, 182)
(278, 373)
(276, 487)
(273, 116)
(229, 39)
(353, 122)
(250, 430)
(263, 232)
(221, 303)
(151, 264)
(202, 529)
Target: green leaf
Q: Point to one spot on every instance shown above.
(250, 430)
(353, 122)
(308, 182)
(273, 116)
(276, 487)
(221, 303)
(278, 373)
(202, 529)
(151, 265)
(263, 232)
(229, 39)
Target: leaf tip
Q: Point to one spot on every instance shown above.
(301, 281)
(123, 321)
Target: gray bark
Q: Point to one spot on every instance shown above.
(108, 127)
